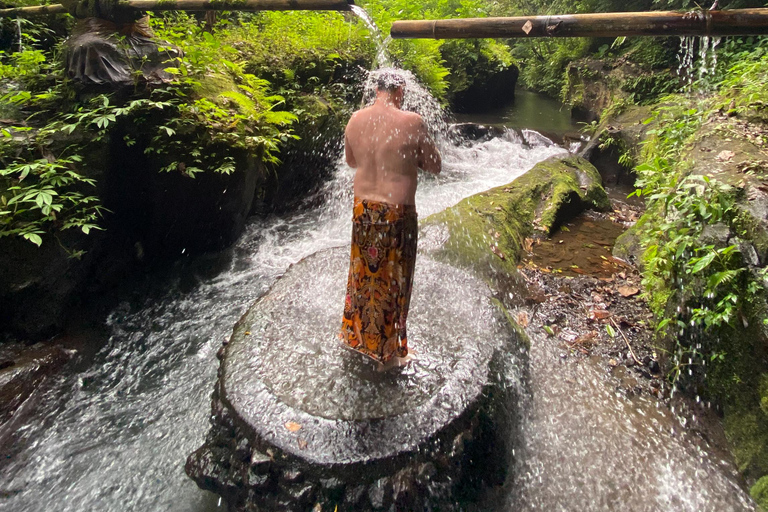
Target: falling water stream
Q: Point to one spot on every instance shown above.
(113, 436)
(707, 64)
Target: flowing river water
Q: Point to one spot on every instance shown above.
(113, 434)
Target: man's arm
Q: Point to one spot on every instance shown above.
(429, 156)
(348, 152)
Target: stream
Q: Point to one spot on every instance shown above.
(113, 434)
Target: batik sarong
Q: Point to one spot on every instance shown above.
(381, 266)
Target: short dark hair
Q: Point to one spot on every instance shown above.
(389, 80)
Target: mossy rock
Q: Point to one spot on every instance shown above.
(747, 431)
(763, 390)
(759, 493)
(593, 86)
(487, 231)
(615, 145)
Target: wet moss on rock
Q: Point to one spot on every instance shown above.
(615, 144)
(759, 493)
(487, 231)
(747, 432)
(628, 245)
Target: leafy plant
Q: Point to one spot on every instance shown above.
(697, 281)
(46, 194)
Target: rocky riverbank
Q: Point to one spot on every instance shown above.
(700, 164)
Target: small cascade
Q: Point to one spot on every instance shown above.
(143, 404)
(382, 55)
(382, 59)
(704, 48)
(685, 60)
(708, 60)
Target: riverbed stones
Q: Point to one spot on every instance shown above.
(324, 427)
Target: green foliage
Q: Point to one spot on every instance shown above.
(42, 194)
(744, 81)
(759, 492)
(677, 121)
(300, 52)
(610, 140)
(697, 281)
(542, 62)
(444, 67)
(675, 251)
(40, 191)
(473, 61)
(211, 110)
(648, 88)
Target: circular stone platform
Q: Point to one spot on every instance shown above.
(299, 419)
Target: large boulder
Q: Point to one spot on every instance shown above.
(593, 85)
(487, 231)
(39, 285)
(300, 420)
(616, 143)
(731, 356)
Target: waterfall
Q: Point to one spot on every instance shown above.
(706, 48)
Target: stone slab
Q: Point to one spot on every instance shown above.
(307, 410)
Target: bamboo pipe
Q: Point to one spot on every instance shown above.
(198, 5)
(655, 23)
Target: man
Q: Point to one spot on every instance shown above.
(387, 146)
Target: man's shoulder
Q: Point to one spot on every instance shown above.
(413, 116)
(411, 120)
(359, 116)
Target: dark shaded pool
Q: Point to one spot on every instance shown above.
(530, 110)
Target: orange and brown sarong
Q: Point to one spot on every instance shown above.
(384, 238)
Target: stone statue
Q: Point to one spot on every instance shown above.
(113, 45)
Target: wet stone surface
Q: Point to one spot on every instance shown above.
(600, 428)
(300, 420)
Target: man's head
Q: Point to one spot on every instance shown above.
(392, 84)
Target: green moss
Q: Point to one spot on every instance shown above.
(627, 246)
(759, 493)
(747, 431)
(486, 231)
(750, 228)
(763, 391)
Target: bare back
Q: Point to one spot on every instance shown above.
(387, 146)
